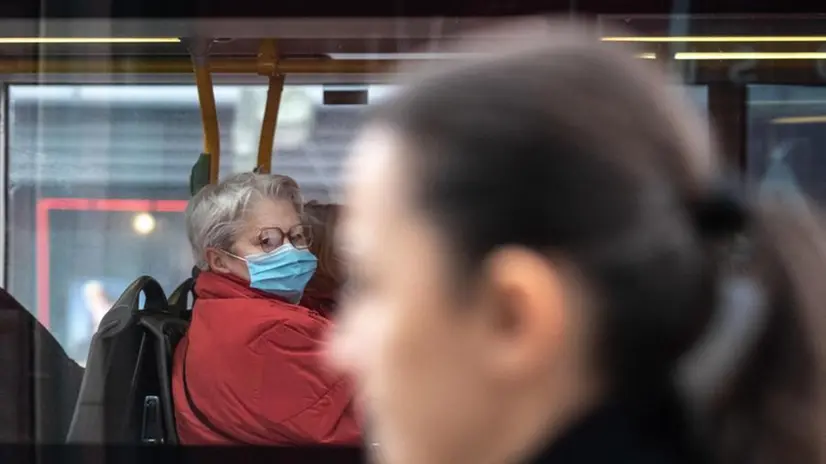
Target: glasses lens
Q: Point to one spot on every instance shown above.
(271, 239)
(301, 236)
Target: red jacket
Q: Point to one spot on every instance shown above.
(255, 370)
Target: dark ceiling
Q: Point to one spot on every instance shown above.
(387, 9)
(330, 45)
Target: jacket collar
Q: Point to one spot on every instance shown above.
(613, 433)
(211, 285)
(322, 304)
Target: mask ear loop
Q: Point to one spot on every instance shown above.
(233, 255)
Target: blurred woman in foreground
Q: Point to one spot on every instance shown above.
(539, 274)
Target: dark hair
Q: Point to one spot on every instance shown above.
(572, 148)
(328, 278)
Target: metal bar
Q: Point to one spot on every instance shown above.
(268, 124)
(5, 215)
(268, 63)
(335, 28)
(177, 66)
(209, 114)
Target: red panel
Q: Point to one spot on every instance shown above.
(42, 253)
(46, 205)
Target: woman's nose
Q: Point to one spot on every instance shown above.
(346, 345)
(341, 353)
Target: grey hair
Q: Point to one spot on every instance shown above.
(215, 214)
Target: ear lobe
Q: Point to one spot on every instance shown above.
(528, 314)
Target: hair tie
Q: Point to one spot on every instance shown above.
(720, 212)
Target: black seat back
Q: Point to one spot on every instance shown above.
(40, 383)
(164, 331)
(122, 382)
(179, 299)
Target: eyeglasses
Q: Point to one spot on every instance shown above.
(300, 236)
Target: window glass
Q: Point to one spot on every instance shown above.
(99, 179)
(696, 93)
(785, 137)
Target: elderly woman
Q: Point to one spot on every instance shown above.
(250, 370)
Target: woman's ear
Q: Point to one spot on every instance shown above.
(528, 317)
(218, 261)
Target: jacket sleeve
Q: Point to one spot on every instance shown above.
(299, 396)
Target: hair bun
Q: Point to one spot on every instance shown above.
(720, 212)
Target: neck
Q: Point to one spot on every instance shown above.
(649, 428)
(536, 420)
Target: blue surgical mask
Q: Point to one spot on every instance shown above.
(284, 272)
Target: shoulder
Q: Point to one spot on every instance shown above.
(293, 326)
(255, 323)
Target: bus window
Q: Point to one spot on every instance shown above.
(698, 94)
(785, 139)
(100, 179)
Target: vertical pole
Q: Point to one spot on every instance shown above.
(268, 65)
(5, 216)
(209, 113)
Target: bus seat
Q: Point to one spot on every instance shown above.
(125, 395)
(40, 383)
(179, 301)
(165, 330)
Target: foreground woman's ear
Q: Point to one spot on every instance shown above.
(525, 310)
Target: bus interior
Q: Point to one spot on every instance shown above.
(106, 122)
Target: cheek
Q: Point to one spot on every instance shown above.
(366, 337)
(236, 267)
(385, 336)
(394, 329)
(240, 270)
(413, 364)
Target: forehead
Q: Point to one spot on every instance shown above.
(373, 186)
(271, 213)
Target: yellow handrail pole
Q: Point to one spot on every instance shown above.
(268, 65)
(206, 100)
